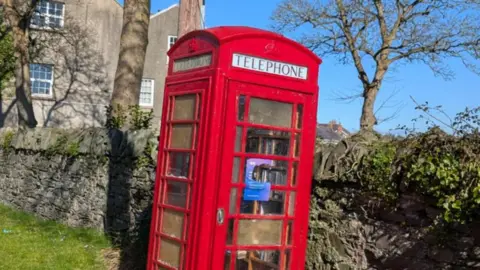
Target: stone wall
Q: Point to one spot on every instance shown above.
(104, 179)
(352, 230)
(89, 178)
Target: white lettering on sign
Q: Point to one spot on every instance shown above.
(197, 61)
(269, 66)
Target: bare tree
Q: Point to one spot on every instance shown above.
(18, 14)
(385, 33)
(133, 47)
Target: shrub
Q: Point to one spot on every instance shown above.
(447, 168)
(376, 170)
(133, 116)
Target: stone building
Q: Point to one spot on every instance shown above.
(74, 61)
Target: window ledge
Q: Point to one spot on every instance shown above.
(47, 29)
(43, 97)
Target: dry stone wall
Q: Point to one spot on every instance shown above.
(351, 228)
(89, 178)
(104, 179)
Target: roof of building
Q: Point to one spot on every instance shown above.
(335, 127)
(116, 1)
(163, 11)
(327, 133)
(332, 131)
(226, 33)
(152, 16)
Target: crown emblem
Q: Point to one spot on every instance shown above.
(271, 48)
(192, 45)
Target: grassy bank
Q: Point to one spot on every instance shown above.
(32, 244)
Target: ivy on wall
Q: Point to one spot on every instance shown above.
(6, 140)
(436, 164)
(75, 143)
(132, 116)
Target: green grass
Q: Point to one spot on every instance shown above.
(29, 243)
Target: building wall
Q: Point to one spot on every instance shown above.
(85, 68)
(85, 57)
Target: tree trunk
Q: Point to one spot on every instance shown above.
(368, 119)
(20, 23)
(133, 47)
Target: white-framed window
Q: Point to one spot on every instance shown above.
(146, 92)
(171, 41)
(41, 78)
(48, 14)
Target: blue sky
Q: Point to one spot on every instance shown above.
(409, 80)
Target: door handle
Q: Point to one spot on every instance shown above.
(220, 216)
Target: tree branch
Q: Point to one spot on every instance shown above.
(435, 48)
(384, 105)
(426, 111)
(381, 22)
(351, 45)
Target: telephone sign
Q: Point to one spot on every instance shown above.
(268, 66)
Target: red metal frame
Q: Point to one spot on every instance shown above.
(198, 88)
(217, 88)
(248, 91)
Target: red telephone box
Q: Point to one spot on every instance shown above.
(235, 153)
